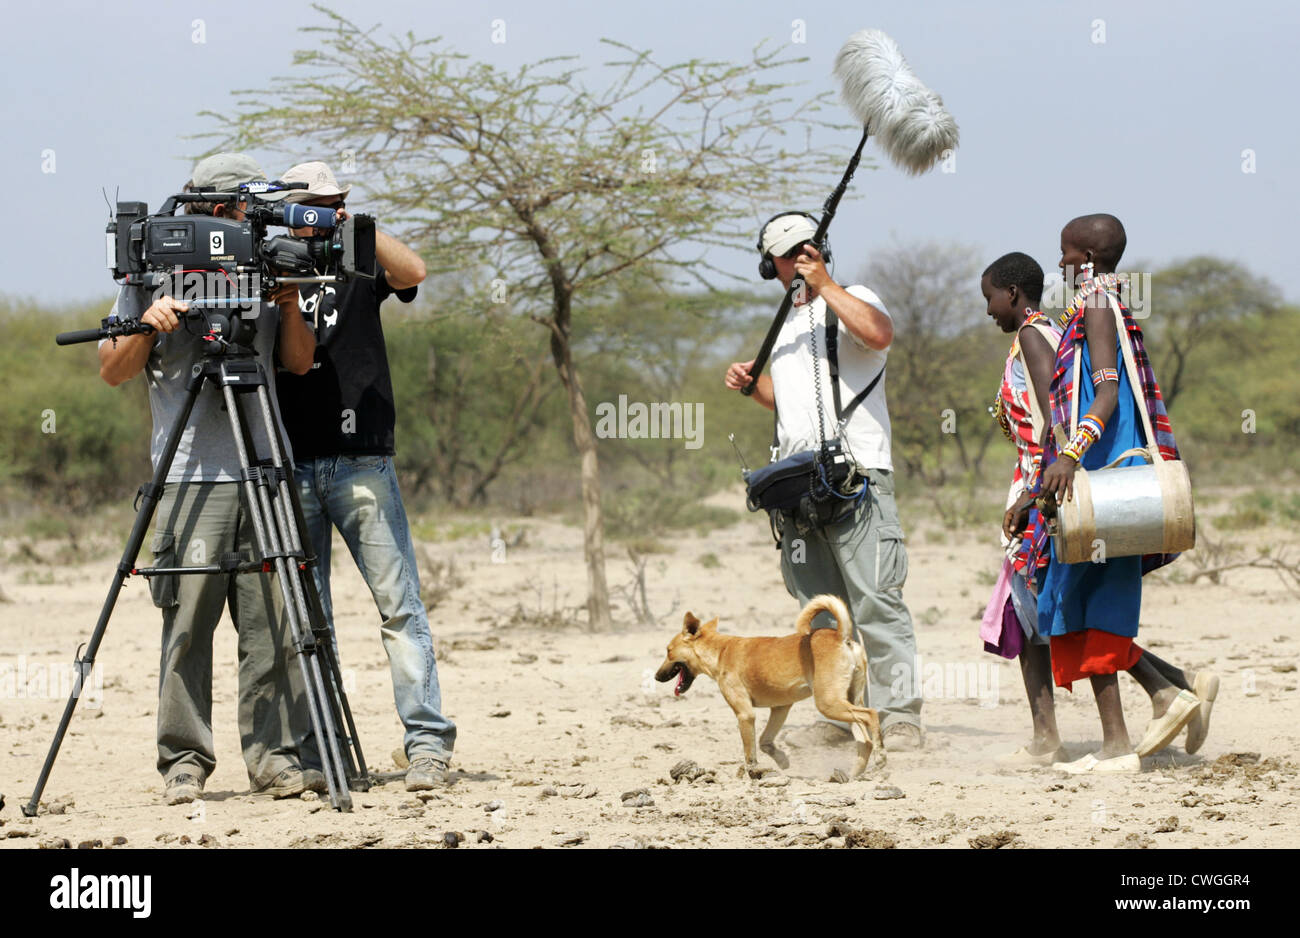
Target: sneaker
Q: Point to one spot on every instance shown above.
(184, 788)
(290, 782)
(1127, 763)
(1022, 758)
(1162, 731)
(1078, 766)
(903, 737)
(426, 773)
(1206, 688)
(314, 780)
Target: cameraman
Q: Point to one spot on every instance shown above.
(858, 556)
(199, 518)
(341, 418)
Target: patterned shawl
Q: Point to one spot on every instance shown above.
(1063, 393)
(1015, 417)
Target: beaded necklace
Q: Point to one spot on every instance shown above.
(1109, 283)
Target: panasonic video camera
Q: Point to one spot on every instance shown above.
(221, 268)
(153, 251)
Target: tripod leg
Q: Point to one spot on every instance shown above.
(269, 545)
(288, 515)
(358, 775)
(150, 495)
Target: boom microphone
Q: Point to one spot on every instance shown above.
(880, 88)
(909, 120)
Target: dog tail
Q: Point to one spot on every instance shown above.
(826, 603)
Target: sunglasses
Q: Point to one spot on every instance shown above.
(795, 251)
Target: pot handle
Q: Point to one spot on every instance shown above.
(1143, 451)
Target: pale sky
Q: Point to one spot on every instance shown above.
(1178, 90)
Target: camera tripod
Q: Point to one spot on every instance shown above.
(272, 502)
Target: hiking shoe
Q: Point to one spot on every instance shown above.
(426, 773)
(289, 783)
(184, 788)
(903, 737)
(314, 780)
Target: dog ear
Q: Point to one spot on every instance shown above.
(690, 624)
(711, 625)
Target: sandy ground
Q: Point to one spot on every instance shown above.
(565, 740)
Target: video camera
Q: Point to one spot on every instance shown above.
(148, 250)
(211, 262)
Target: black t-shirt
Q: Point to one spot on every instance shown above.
(344, 405)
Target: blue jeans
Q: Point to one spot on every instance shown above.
(359, 496)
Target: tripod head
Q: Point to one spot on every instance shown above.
(219, 323)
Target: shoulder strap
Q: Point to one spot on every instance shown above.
(1063, 435)
(842, 414)
(833, 357)
(1135, 384)
(862, 395)
(1035, 417)
(1074, 388)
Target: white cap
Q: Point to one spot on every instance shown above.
(319, 178)
(784, 232)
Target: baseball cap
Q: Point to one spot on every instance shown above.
(227, 171)
(784, 232)
(319, 178)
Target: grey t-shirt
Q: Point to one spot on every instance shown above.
(206, 452)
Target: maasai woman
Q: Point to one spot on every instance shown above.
(1090, 610)
(1013, 287)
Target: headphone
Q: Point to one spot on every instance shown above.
(767, 266)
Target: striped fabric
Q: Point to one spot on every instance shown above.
(1062, 393)
(1019, 425)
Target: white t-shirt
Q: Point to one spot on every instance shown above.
(867, 433)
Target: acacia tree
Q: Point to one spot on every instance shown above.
(1195, 304)
(552, 180)
(652, 343)
(943, 347)
(462, 425)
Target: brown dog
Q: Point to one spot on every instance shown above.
(776, 672)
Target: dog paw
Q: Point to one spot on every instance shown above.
(777, 756)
